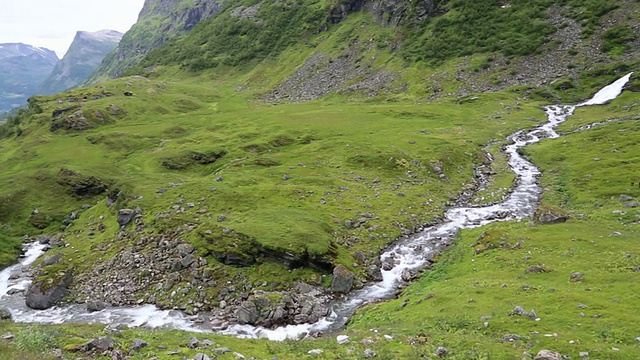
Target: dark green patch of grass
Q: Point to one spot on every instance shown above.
(474, 27)
(616, 39)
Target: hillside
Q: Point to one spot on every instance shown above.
(84, 55)
(158, 21)
(23, 68)
(253, 169)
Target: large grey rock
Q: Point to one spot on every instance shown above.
(511, 338)
(96, 305)
(576, 277)
(102, 343)
(201, 356)
(441, 351)
(551, 218)
(43, 295)
(221, 351)
(138, 344)
(247, 313)
(368, 353)
(5, 314)
(51, 259)
(342, 281)
(125, 216)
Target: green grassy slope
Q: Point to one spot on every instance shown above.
(296, 177)
(291, 176)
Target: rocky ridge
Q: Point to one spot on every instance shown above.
(85, 54)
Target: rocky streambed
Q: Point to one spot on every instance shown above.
(406, 257)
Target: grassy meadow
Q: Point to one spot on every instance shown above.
(195, 148)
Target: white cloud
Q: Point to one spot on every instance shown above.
(53, 24)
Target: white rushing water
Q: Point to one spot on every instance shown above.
(410, 254)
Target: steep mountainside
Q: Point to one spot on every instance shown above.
(489, 45)
(158, 21)
(22, 68)
(85, 54)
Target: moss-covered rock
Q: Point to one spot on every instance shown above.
(47, 293)
(81, 186)
(182, 162)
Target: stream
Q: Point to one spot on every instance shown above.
(412, 253)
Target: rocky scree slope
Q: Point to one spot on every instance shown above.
(158, 21)
(84, 55)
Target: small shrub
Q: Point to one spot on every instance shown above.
(36, 339)
(616, 40)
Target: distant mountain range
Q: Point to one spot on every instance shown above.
(27, 70)
(85, 54)
(22, 69)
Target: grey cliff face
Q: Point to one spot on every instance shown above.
(85, 54)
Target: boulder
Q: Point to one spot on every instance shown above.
(125, 216)
(93, 306)
(550, 218)
(576, 277)
(5, 314)
(624, 198)
(441, 351)
(43, 295)
(221, 351)
(51, 259)
(102, 343)
(247, 313)
(368, 353)
(510, 338)
(375, 273)
(548, 355)
(342, 280)
(536, 269)
(138, 344)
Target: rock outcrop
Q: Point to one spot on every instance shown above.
(342, 280)
(81, 186)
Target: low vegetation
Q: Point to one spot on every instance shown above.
(270, 194)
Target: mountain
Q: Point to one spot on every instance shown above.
(85, 54)
(158, 21)
(254, 169)
(22, 68)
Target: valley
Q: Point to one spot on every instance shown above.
(236, 191)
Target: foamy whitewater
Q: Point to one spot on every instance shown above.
(412, 253)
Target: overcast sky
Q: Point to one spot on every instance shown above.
(53, 23)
